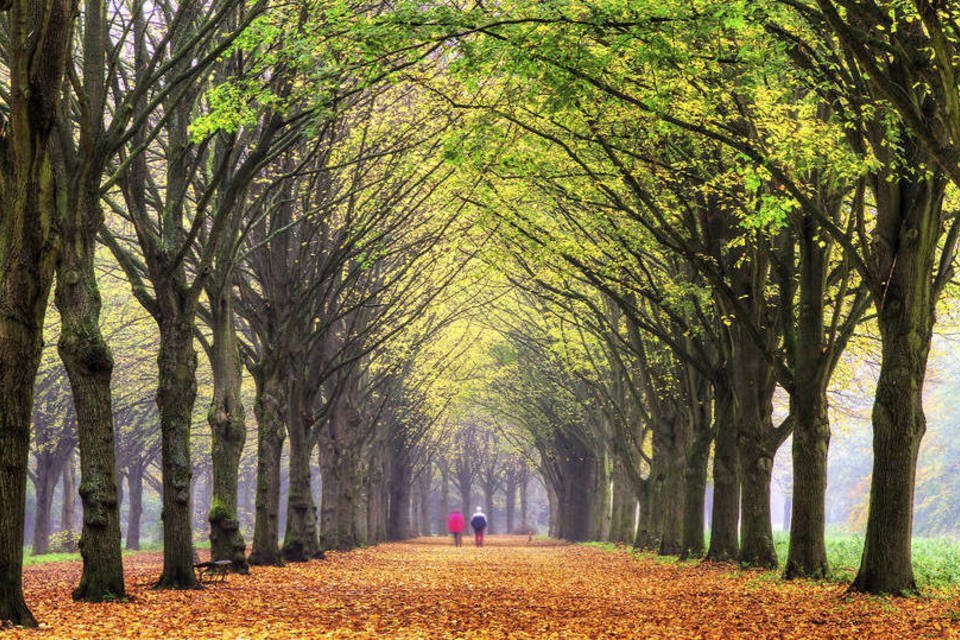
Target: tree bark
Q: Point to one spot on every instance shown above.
(68, 511)
(444, 497)
(270, 436)
(89, 364)
(524, 500)
(424, 483)
(754, 385)
(695, 488)
(725, 514)
(47, 474)
(135, 512)
(398, 521)
(176, 394)
(807, 555)
(906, 315)
(228, 430)
(300, 539)
(510, 496)
(624, 508)
(29, 193)
(488, 499)
(341, 445)
(674, 487)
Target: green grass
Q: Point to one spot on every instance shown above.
(29, 559)
(49, 557)
(936, 561)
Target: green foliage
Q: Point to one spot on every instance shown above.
(64, 542)
(936, 560)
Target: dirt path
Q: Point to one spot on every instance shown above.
(509, 589)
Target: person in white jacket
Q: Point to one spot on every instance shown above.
(479, 524)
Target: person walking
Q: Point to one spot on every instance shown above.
(455, 525)
(479, 524)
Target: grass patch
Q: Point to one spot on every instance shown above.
(936, 561)
(603, 546)
(30, 559)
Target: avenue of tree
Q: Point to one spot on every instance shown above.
(434, 249)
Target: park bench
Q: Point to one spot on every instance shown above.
(212, 570)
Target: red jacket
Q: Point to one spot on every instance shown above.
(455, 522)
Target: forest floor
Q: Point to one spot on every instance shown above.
(508, 589)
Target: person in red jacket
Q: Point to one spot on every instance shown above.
(455, 525)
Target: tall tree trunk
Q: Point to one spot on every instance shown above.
(84, 352)
(300, 539)
(696, 458)
(787, 513)
(510, 497)
(553, 522)
(807, 555)
(444, 492)
(29, 192)
(270, 436)
(465, 499)
(652, 500)
(350, 487)
(525, 500)
(674, 488)
(342, 446)
(135, 512)
(176, 394)
(757, 546)
(425, 480)
(624, 507)
(47, 474)
(377, 502)
(648, 526)
(905, 315)
(725, 514)
(398, 522)
(695, 488)
(68, 511)
(228, 430)
(20, 345)
(488, 499)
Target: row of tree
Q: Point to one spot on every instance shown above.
(277, 200)
(706, 201)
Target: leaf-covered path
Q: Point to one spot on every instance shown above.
(509, 589)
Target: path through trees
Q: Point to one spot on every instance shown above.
(509, 589)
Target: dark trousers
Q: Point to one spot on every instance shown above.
(478, 537)
(457, 538)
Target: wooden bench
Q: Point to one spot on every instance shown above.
(213, 570)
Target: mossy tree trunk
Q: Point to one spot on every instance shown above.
(89, 364)
(227, 426)
(909, 220)
(176, 394)
(29, 194)
(270, 437)
(300, 536)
